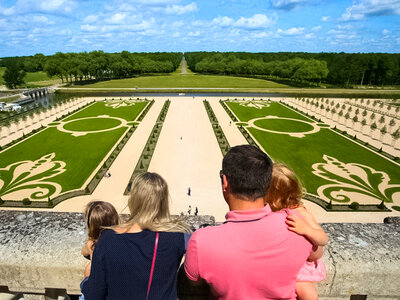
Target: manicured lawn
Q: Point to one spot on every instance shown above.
(81, 154)
(38, 76)
(274, 109)
(301, 154)
(129, 113)
(98, 123)
(283, 125)
(186, 81)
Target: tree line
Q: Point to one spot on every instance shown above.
(342, 69)
(96, 65)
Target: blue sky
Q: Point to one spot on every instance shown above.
(48, 26)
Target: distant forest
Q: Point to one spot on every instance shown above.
(342, 69)
(96, 65)
(337, 69)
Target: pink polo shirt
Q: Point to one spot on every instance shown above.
(251, 256)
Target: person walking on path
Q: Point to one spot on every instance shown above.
(252, 255)
(189, 191)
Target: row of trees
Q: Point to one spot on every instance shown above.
(296, 68)
(96, 64)
(344, 69)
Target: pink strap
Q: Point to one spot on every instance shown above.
(152, 265)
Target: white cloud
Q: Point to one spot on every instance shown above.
(7, 11)
(90, 19)
(257, 21)
(196, 33)
(58, 5)
(177, 24)
(176, 34)
(198, 23)
(368, 8)
(65, 32)
(117, 18)
(181, 9)
(344, 27)
(222, 21)
(288, 4)
(291, 31)
(316, 28)
(40, 19)
(89, 28)
(385, 32)
(260, 35)
(310, 35)
(325, 18)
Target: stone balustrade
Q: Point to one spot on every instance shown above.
(40, 255)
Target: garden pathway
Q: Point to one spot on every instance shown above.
(188, 155)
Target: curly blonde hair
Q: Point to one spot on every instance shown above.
(286, 189)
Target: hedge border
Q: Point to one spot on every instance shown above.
(148, 150)
(218, 132)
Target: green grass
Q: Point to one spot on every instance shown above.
(82, 154)
(38, 76)
(247, 113)
(92, 124)
(283, 125)
(2, 70)
(129, 113)
(301, 153)
(177, 80)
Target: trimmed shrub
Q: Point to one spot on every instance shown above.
(26, 201)
(382, 205)
(329, 205)
(354, 205)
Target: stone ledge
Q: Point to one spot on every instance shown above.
(41, 250)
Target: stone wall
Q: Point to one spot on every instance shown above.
(40, 252)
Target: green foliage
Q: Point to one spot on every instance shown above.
(354, 205)
(341, 69)
(26, 201)
(14, 75)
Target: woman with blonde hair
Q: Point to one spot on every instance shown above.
(139, 259)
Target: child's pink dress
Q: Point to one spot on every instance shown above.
(313, 271)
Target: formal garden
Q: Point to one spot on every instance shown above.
(335, 169)
(70, 155)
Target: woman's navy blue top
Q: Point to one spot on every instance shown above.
(121, 266)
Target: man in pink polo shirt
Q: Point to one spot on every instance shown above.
(252, 255)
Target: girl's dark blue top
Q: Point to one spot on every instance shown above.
(121, 266)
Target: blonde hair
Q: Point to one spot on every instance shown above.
(98, 215)
(149, 205)
(285, 191)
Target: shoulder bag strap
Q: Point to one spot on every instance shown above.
(152, 264)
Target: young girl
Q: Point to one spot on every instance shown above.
(286, 192)
(98, 214)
